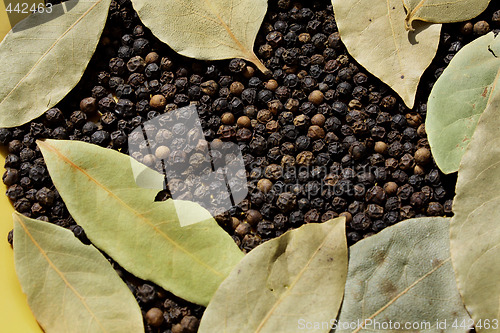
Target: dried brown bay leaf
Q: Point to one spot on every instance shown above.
(374, 34)
(284, 284)
(71, 287)
(143, 236)
(403, 275)
(475, 231)
(442, 11)
(44, 57)
(459, 97)
(206, 29)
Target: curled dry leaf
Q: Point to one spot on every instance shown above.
(403, 275)
(44, 57)
(206, 29)
(459, 97)
(475, 231)
(374, 34)
(442, 11)
(283, 284)
(143, 236)
(71, 287)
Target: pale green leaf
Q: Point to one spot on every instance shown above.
(143, 236)
(403, 274)
(475, 231)
(44, 57)
(280, 285)
(375, 36)
(206, 29)
(442, 11)
(70, 287)
(458, 99)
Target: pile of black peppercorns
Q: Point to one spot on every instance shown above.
(320, 136)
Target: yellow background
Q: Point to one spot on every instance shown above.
(15, 315)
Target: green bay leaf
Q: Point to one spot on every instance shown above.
(403, 274)
(71, 287)
(458, 99)
(284, 283)
(44, 57)
(206, 29)
(475, 231)
(143, 236)
(375, 36)
(442, 11)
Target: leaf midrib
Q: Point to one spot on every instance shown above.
(61, 275)
(406, 290)
(135, 212)
(292, 285)
(48, 50)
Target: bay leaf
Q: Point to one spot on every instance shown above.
(143, 236)
(375, 36)
(403, 275)
(458, 99)
(206, 29)
(475, 231)
(45, 56)
(71, 287)
(442, 11)
(284, 283)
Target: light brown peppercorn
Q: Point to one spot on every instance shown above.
(316, 97)
(305, 158)
(354, 104)
(152, 57)
(275, 106)
(158, 102)
(272, 126)
(162, 152)
(481, 28)
(419, 170)
(423, 156)
(304, 37)
(318, 119)
(466, 28)
(348, 217)
(154, 317)
(242, 229)
(88, 105)
(227, 118)
(248, 72)
(390, 188)
(380, 147)
(235, 222)
(264, 185)
(287, 161)
(316, 132)
(263, 116)
(244, 122)
(301, 120)
(253, 217)
(209, 87)
(421, 131)
(413, 119)
(271, 85)
(236, 88)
